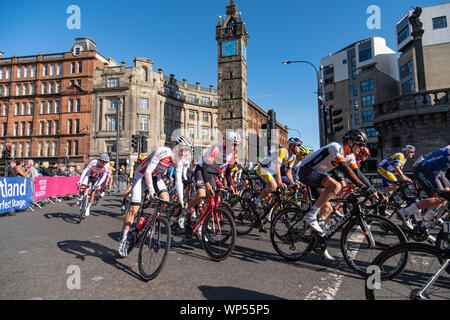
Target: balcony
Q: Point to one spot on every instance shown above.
(416, 103)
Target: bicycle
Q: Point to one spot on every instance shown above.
(150, 232)
(218, 231)
(84, 202)
(363, 234)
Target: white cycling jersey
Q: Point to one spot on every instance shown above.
(326, 158)
(96, 170)
(157, 163)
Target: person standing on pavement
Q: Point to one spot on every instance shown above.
(21, 170)
(12, 169)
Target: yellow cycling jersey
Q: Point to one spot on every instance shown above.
(281, 156)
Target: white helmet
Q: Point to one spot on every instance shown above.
(233, 137)
(409, 148)
(184, 141)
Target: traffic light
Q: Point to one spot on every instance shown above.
(143, 144)
(135, 142)
(7, 153)
(334, 120)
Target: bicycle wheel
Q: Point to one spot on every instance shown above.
(422, 264)
(443, 243)
(82, 208)
(355, 245)
(154, 248)
(178, 233)
(218, 234)
(289, 234)
(243, 217)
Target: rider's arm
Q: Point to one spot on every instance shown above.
(400, 173)
(345, 168)
(85, 171)
(103, 178)
(289, 175)
(179, 181)
(148, 174)
(230, 180)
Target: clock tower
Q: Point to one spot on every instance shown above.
(232, 40)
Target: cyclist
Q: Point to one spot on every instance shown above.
(149, 172)
(313, 172)
(304, 152)
(97, 172)
(430, 172)
(394, 163)
(271, 166)
(206, 169)
(130, 184)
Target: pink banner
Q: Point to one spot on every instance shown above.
(46, 187)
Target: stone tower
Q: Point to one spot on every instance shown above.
(232, 40)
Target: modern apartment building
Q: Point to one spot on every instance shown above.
(46, 102)
(353, 80)
(435, 46)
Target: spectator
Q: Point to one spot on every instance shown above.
(45, 170)
(62, 172)
(12, 169)
(111, 173)
(21, 170)
(33, 171)
(123, 177)
(38, 168)
(78, 170)
(72, 172)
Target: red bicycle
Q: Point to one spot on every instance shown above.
(218, 231)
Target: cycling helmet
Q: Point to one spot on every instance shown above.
(409, 148)
(233, 136)
(184, 141)
(355, 135)
(104, 157)
(304, 150)
(141, 157)
(365, 151)
(295, 140)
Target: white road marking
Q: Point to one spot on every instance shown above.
(97, 278)
(23, 252)
(333, 281)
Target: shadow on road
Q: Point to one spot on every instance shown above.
(83, 249)
(67, 217)
(233, 293)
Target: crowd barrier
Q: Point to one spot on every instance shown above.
(21, 193)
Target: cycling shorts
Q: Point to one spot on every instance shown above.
(88, 179)
(140, 185)
(265, 176)
(201, 177)
(386, 177)
(430, 180)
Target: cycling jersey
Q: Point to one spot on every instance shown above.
(438, 160)
(326, 158)
(396, 160)
(217, 154)
(157, 163)
(282, 157)
(95, 170)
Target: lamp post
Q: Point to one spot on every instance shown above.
(319, 95)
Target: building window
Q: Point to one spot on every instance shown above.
(353, 62)
(178, 114)
(44, 88)
(167, 90)
(58, 87)
(16, 129)
(113, 103)
(19, 72)
(355, 90)
(40, 149)
(70, 105)
(78, 105)
(366, 85)
(5, 126)
(1, 74)
(56, 126)
(25, 72)
(30, 128)
(41, 128)
(205, 117)
(69, 126)
(440, 22)
(406, 69)
(191, 132)
(8, 73)
(111, 123)
(47, 148)
(16, 110)
(79, 83)
(328, 81)
(52, 69)
(18, 89)
(205, 101)
(31, 108)
(59, 69)
(75, 147)
(21, 149)
(192, 98)
(42, 107)
(25, 89)
(357, 119)
(69, 148)
(57, 106)
(166, 128)
(178, 95)
(371, 132)
(110, 146)
(55, 148)
(365, 55)
(144, 103)
(7, 91)
(367, 69)
(143, 123)
(367, 116)
(80, 66)
(72, 69)
(408, 86)
(403, 34)
(49, 107)
(49, 127)
(205, 133)
(328, 69)
(32, 88)
(368, 100)
(329, 96)
(28, 149)
(113, 82)
(45, 70)
(33, 71)
(191, 115)
(24, 108)
(344, 61)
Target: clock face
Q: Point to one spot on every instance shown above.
(229, 48)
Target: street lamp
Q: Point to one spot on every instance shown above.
(319, 93)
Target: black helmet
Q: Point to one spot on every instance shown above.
(355, 135)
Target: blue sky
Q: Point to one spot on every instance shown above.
(179, 36)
